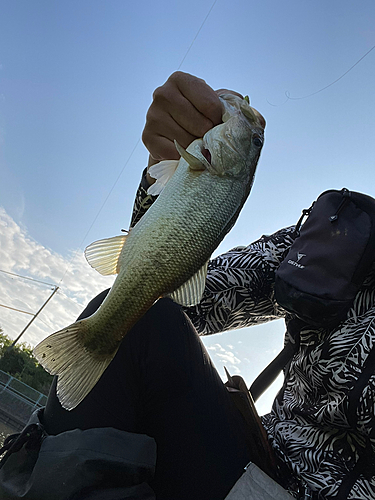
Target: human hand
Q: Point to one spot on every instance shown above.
(183, 109)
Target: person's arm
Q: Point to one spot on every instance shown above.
(239, 289)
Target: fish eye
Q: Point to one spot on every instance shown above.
(257, 141)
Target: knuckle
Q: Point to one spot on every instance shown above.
(176, 76)
(159, 93)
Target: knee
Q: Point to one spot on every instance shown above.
(165, 312)
(166, 322)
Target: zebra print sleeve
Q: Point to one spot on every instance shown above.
(142, 202)
(240, 286)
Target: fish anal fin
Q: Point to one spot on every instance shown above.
(103, 255)
(77, 370)
(162, 172)
(190, 293)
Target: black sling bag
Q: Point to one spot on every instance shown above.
(324, 268)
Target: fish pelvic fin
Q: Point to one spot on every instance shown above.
(190, 293)
(103, 255)
(162, 172)
(77, 371)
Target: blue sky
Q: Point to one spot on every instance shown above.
(76, 79)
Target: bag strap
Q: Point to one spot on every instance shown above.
(272, 371)
(255, 435)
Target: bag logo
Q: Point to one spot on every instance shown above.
(296, 262)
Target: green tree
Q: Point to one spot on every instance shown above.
(19, 362)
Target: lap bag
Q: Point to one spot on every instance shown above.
(330, 258)
(94, 464)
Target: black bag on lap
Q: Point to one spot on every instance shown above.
(94, 464)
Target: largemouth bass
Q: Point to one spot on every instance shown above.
(166, 253)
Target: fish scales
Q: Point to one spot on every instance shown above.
(165, 253)
(155, 251)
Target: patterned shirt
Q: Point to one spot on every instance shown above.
(323, 419)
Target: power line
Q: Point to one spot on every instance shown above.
(26, 278)
(17, 310)
(99, 212)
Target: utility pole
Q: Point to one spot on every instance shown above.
(35, 315)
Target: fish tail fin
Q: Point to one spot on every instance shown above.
(63, 354)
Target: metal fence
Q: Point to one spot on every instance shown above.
(18, 400)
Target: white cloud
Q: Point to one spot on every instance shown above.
(225, 357)
(19, 254)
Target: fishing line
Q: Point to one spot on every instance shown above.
(196, 36)
(289, 98)
(130, 156)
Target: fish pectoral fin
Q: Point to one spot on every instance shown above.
(103, 255)
(190, 293)
(162, 172)
(194, 163)
(78, 371)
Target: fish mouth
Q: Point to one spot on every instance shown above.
(206, 153)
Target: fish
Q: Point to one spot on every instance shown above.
(166, 253)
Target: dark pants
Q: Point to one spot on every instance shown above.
(162, 383)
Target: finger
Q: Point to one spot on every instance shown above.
(161, 148)
(169, 99)
(160, 132)
(189, 118)
(199, 94)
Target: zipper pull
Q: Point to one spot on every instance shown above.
(346, 195)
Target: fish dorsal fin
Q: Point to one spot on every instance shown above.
(190, 293)
(162, 172)
(103, 255)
